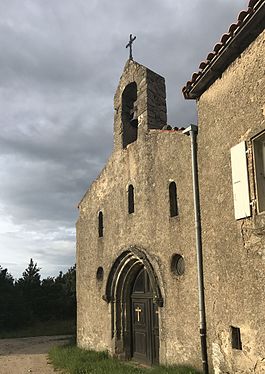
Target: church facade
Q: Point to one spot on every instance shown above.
(127, 254)
(137, 288)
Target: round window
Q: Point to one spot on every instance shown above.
(177, 264)
(100, 274)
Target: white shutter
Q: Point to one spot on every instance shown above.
(240, 181)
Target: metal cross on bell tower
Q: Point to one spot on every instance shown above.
(130, 45)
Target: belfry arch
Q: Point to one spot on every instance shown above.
(129, 114)
(125, 300)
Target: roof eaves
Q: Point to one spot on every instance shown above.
(231, 45)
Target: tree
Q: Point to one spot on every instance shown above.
(6, 296)
(67, 283)
(12, 311)
(29, 299)
(30, 285)
(70, 291)
(31, 275)
(5, 277)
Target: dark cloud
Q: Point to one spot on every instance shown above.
(60, 65)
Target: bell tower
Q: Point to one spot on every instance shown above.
(139, 104)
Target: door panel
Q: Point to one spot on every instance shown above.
(139, 343)
(140, 329)
(144, 321)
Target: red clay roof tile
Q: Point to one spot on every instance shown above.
(232, 28)
(217, 47)
(210, 56)
(194, 76)
(225, 37)
(202, 65)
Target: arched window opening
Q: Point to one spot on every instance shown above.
(142, 282)
(139, 283)
(129, 114)
(100, 224)
(130, 199)
(173, 199)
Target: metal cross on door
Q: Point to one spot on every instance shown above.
(138, 310)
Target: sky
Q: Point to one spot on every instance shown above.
(60, 65)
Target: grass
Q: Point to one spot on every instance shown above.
(74, 360)
(42, 328)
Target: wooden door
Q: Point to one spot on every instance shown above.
(145, 329)
(141, 330)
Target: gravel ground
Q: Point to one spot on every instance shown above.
(28, 355)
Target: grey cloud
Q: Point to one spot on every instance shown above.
(60, 65)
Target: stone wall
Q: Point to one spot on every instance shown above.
(230, 111)
(149, 164)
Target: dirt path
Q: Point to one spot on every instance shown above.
(28, 355)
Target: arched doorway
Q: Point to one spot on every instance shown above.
(134, 293)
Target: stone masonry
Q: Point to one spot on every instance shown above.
(114, 244)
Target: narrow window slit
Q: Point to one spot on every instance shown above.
(173, 199)
(100, 224)
(236, 338)
(130, 199)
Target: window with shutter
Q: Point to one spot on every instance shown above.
(259, 162)
(240, 181)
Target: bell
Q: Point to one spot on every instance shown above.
(134, 121)
(133, 117)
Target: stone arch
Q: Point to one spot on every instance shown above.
(118, 289)
(129, 114)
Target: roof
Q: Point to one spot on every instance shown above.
(249, 25)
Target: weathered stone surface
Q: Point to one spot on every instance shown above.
(151, 98)
(149, 164)
(231, 111)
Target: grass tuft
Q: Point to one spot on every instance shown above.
(74, 360)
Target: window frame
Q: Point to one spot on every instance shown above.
(173, 199)
(258, 152)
